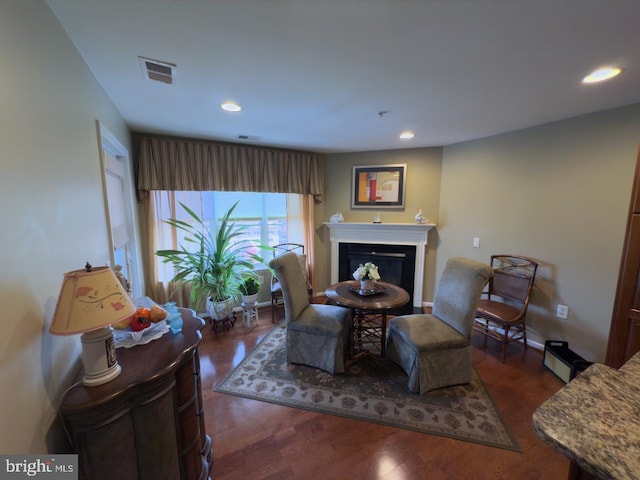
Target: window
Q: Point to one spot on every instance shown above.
(119, 208)
(269, 218)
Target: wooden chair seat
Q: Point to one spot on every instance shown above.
(499, 312)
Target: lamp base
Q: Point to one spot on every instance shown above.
(99, 357)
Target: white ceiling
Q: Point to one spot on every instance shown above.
(313, 74)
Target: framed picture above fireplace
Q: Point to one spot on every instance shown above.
(378, 186)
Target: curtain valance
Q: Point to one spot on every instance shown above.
(167, 163)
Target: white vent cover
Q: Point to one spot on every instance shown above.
(156, 70)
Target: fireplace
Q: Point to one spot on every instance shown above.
(396, 264)
(391, 242)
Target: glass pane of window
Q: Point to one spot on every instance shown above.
(121, 257)
(264, 216)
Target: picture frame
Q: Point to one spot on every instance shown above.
(379, 186)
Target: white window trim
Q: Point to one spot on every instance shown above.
(107, 141)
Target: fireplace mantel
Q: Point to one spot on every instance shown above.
(383, 233)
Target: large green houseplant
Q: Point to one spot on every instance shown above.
(216, 264)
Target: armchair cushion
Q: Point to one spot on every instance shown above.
(427, 332)
(320, 319)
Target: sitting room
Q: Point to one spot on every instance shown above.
(497, 141)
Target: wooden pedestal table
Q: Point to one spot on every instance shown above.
(148, 422)
(368, 314)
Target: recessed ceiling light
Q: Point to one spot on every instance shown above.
(407, 135)
(601, 74)
(230, 107)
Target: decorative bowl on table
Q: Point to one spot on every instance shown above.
(158, 326)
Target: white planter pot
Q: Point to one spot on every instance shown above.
(367, 285)
(219, 310)
(250, 299)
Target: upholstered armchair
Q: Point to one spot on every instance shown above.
(277, 301)
(317, 335)
(434, 349)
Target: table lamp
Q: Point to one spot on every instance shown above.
(90, 301)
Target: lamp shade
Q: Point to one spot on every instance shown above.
(90, 299)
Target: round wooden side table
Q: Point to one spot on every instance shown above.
(368, 314)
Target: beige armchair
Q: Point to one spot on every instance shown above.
(434, 349)
(317, 335)
(277, 301)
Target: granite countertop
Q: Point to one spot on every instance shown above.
(595, 420)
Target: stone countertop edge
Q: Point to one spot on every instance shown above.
(595, 420)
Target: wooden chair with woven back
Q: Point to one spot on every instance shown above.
(502, 314)
(277, 300)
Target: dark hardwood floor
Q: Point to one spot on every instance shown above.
(256, 440)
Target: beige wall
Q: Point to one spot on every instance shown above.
(558, 193)
(52, 212)
(423, 191)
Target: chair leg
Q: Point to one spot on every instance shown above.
(505, 341)
(273, 309)
(486, 332)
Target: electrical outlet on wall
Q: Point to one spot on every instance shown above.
(562, 311)
(476, 242)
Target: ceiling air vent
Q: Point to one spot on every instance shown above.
(156, 70)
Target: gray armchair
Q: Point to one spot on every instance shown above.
(317, 335)
(434, 349)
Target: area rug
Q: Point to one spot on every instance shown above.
(373, 390)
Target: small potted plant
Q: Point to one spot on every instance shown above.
(249, 289)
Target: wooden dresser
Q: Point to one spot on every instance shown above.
(147, 423)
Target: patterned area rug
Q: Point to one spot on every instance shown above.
(373, 390)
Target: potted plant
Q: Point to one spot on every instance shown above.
(249, 289)
(218, 264)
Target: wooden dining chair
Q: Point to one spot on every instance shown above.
(501, 315)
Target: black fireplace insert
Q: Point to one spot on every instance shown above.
(396, 264)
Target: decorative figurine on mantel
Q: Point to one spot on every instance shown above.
(420, 218)
(337, 218)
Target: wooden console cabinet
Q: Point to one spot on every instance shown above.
(147, 423)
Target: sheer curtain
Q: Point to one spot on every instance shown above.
(301, 221)
(161, 205)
